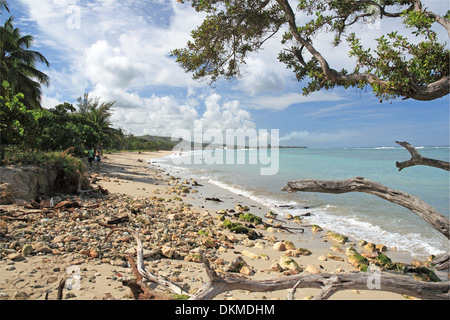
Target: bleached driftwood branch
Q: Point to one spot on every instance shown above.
(143, 271)
(330, 283)
(417, 159)
(358, 184)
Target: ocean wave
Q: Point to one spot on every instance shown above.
(414, 243)
(327, 217)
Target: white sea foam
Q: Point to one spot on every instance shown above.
(351, 226)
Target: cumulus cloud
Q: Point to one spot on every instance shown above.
(120, 51)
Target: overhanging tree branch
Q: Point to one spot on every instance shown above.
(428, 92)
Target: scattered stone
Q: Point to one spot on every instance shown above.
(27, 250)
(287, 263)
(313, 269)
(251, 255)
(16, 256)
(334, 257)
(337, 237)
(276, 267)
(20, 295)
(246, 270)
(279, 246)
(371, 247)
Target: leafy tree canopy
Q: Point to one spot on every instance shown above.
(415, 67)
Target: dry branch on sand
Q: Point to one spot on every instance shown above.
(329, 283)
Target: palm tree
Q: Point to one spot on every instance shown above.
(99, 114)
(18, 64)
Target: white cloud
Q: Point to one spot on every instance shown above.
(261, 77)
(224, 116)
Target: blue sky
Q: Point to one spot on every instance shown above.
(120, 51)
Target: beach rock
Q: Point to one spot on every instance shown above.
(289, 245)
(313, 269)
(237, 264)
(303, 251)
(336, 249)
(358, 261)
(42, 247)
(371, 247)
(246, 270)
(350, 251)
(167, 251)
(337, 237)
(287, 263)
(279, 246)
(27, 250)
(316, 228)
(16, 256)
(250, 255)
(334, 257)
(20, 295)
(276, 267)
(271, 215)
(260, 245)
(194, 257)
(263, 256)
(208, 242)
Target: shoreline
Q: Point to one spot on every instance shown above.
(129, 174)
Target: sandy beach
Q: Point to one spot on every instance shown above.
(140, 185)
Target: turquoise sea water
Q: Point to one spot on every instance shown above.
(358, 215)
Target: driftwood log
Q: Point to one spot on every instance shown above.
(147, 276)
(329, 283)
(358, 184)
(417, 159)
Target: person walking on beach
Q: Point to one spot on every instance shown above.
(97, 159)
(90, 156)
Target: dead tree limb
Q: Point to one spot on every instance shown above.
(330, 283)
(61, 286)
(358, 184)
(146, 275)
(417, 159)
(139, 289)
